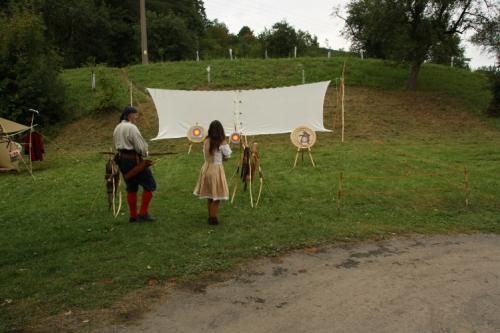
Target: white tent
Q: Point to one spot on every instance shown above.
(10, 127)
(253, 112)
(7, 146)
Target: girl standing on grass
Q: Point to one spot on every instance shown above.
(212, 184)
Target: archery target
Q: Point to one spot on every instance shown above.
(303, 137)
(196, 134)
(235, 138)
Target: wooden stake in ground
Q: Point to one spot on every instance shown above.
(335, 114)
(342, 88)
(339, 193)
(131, 97)
(466, 186)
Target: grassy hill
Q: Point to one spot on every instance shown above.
(468, 90)
(68, 265)
(470, 87)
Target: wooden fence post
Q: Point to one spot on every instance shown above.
(466, 186)
(339, 193)
(342, 85)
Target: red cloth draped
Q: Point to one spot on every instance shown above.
(37, 148)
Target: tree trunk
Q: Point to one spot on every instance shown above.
(412, 81)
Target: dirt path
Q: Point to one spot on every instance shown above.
(416, 284)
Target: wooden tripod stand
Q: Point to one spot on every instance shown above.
(302, 150)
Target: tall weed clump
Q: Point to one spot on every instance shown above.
(108, 91)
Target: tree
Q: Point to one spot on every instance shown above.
(29, 69)
(192, 11)
(217, 40)
(405, 30)
(487, 29)
(246, 41)
(107, 30)
(306, 43)
(81, 29)
(494, 107)
(280, 40)
(169, 37)
(487, 34)
(443, 53)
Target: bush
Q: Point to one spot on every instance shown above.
(108, 95)
(494, 107)
(29, 70)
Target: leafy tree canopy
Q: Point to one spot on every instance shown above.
(107, 30)
(408, 30)
(487, 34)
(282, 38)
(29, 70)
(487, 28)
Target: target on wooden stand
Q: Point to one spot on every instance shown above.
(196, 134)
(303, 138)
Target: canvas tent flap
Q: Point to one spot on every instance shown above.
(9, 127)
(6, 163)
(254, 112)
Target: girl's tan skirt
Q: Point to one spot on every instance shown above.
(212, 183)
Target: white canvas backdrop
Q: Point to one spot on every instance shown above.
(260, 111)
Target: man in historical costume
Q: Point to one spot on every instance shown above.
(131, 148)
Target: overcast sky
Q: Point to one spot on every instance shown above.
(313, 16)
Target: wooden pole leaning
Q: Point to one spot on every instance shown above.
(30, 145)
(261, 181)
(235, 174)
(27, 166)
(116, 187)
(249, 171)
(250, 180)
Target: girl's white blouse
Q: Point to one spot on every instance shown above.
(223, 151)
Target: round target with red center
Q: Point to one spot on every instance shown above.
(196, 134)
(235, 138)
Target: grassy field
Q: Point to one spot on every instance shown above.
(403, 172)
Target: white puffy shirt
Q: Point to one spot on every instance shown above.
(223, 151)
(127, 136)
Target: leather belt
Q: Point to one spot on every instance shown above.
(129, 154)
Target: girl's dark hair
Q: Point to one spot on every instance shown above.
(216, 135)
